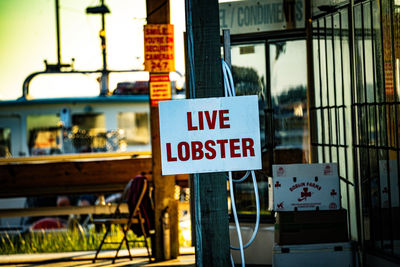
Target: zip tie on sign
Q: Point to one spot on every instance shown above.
(229, 90)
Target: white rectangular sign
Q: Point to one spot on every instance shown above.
(251, 16)
(210, 135)
(306, 187)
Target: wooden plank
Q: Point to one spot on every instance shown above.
(61, 190)
(311, 115)
(65, 210)
(158, 12)
(73, 157)
(52, 177)
(205, 80)
(89, 176)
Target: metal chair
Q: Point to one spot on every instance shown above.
(134, 193)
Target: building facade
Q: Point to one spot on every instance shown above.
(327, 73)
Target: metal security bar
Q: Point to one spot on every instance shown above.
(374, 132)
(330, 113)
(355, 115)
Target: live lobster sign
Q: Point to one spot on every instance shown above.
(210, 135)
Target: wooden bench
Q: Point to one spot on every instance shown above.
(94, 173)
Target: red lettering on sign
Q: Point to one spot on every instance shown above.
(197, 150)
(201, 121)
(222, 143)
(234, 148)
(190, 123)
(169, 156)
(211, 121)
(210, 149)
(182, 145)
(223, 117)
(211, 154)
(248, 145)
(295, 186)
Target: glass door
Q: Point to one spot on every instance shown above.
(288, 105)
(249, 74)
(275, 71)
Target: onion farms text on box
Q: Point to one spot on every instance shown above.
(210, 135)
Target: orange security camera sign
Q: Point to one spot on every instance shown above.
(159, 50)
(210, 135)
(160, 88)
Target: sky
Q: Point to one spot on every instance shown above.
(28, 37)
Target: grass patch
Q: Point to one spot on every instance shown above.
(62, 241)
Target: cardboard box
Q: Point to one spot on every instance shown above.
(310, 170)
(327, 255)
(297, 187)
(308, 227)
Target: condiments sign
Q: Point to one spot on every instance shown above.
(159, 50)
(210, 135)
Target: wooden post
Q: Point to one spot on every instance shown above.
(164, 186)
(205, 80)
(313, 154)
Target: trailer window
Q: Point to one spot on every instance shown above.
(44, 134)
(134, 127)
(45, 141)
(89, 134)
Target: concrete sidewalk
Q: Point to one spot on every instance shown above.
(84, 259)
